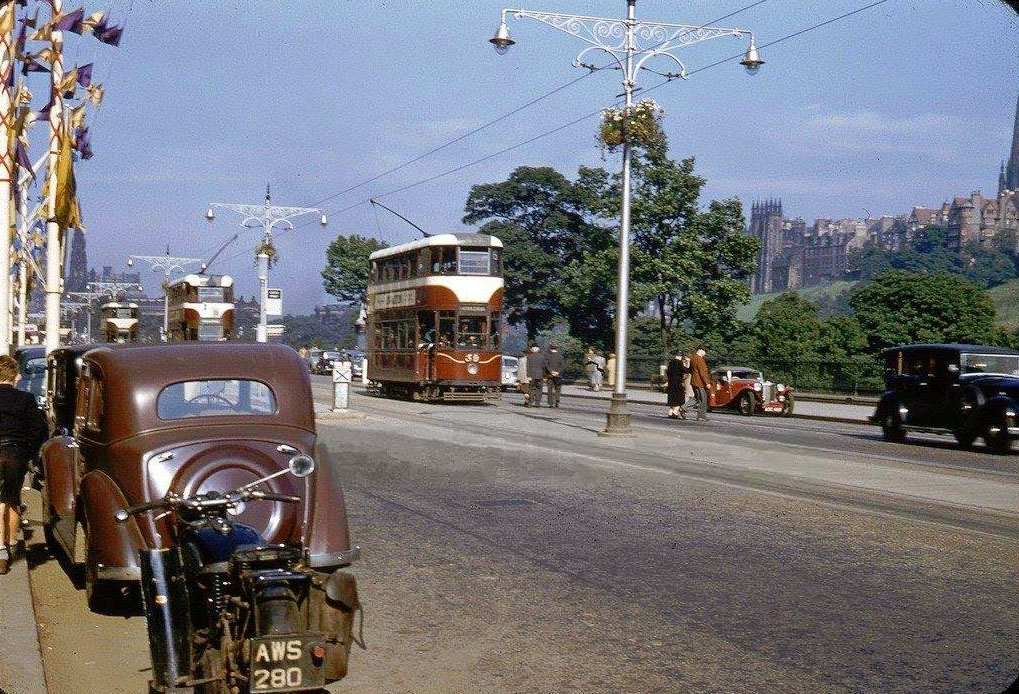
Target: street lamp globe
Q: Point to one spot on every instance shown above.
(210, 215)
(130, 262)
(501, 40)
(752, 59)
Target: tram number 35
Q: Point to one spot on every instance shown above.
(276, 665)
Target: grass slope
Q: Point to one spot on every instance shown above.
(1006, 303)
(823, 294)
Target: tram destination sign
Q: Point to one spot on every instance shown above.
(401, 299)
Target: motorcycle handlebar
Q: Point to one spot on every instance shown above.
(228, 500)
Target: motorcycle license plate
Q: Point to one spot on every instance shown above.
(285, 663)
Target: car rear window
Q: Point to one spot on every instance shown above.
(215, 398)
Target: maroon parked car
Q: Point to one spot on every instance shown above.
(187, 419)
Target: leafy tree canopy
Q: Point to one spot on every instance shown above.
(346, 273)
(901, 307)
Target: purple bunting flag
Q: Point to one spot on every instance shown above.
(85, 75)
(71, 21)
(110, 35)
(44, 112)
(22, 158)
(30, 65)
(19, 45)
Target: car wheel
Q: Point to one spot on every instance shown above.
(1000, 443)
(891, 429)
(788, 405)
(965, 438)
(747, 403)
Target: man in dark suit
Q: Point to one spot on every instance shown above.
(536, 373)
(700, 380)
(555, 365)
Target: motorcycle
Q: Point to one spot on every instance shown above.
(229, 613)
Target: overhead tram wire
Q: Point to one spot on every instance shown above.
(598, 112)
(506, 115)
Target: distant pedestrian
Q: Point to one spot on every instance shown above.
(535, 374)
(589, 367)
(523, 380)
(610, 369)
(555, 366)
(598, 374)
(676, 373)
(700, 380)
(22, 431)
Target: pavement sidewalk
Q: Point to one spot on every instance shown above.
(823, 411)
(21, 669)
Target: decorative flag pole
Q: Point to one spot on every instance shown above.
(54, 256)
(7, 169)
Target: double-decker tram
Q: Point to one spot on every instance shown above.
(120, 322)
(434, 318)
(200, 308)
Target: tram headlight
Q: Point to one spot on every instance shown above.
(472, 369)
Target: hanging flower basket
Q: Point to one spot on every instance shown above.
(270, 250)
(644, 125)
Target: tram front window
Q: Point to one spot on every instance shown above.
(472, 331)
(447, 328)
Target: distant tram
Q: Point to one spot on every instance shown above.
(435, 318)
(120, 322)
(200, 308)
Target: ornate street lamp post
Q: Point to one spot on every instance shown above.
(167, 264)
(266, 216)
(631, 43)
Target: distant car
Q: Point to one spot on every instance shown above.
(745, 390)
(324, 365)
(356, 357)
(968, 391)
(510, 378)
(32, 365)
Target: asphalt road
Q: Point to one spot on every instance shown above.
(511, 550)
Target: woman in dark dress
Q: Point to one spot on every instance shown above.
(22, 431)
(675, 392)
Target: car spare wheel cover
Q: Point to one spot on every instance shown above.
(229, 467)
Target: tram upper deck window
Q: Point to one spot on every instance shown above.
(475, 261)
(443, 260)
(210, 294)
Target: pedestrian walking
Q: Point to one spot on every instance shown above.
(610, 369)
(700, 380)
(598, 375)
(22, 431)
(676, 373)
(535, 373)
(555, 366)
(589, 367)
(523, 380)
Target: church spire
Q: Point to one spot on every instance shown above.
(1011, 179)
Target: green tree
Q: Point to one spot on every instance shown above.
(540, 216)
(787, 328)
(692, 265)
(346, 272)
(901, 307)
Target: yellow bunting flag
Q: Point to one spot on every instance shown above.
(95, 94)
(68, 213)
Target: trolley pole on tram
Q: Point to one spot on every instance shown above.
(630, 43)
(266, 216)
(167, 264)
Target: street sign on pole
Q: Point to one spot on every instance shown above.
(273, 302)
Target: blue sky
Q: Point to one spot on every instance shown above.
(908, 103)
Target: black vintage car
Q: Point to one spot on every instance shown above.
(969, 391)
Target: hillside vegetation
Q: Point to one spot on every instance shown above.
(1006, 303)
(833, 299)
